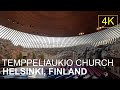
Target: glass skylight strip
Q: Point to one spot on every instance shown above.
(34, 41)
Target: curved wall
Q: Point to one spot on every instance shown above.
(26, 40)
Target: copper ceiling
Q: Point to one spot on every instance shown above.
(52, 23)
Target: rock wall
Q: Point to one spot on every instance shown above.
(8, 50)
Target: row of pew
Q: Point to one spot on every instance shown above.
(93, 73)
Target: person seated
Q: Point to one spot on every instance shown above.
(94, 77)
(86, 76)
(106, 75)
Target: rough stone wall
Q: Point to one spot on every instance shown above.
(8, 50)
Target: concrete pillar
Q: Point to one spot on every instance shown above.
(113, 68)
(24, 53)
(118, 70)
(73, 55)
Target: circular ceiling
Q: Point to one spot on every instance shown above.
(53, 23)
(26, 40)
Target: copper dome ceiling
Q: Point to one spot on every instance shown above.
(52, 23)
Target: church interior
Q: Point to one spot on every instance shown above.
(60, 35)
